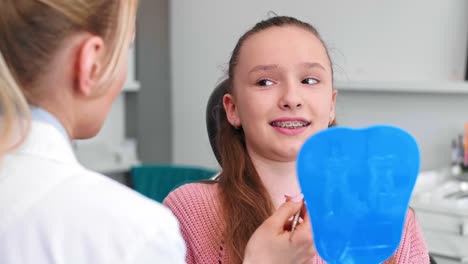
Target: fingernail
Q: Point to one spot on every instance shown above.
(298, 198)
(288, 197)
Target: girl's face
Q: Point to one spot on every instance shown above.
(282, 91)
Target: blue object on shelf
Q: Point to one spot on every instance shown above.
(156, 181)
(357, 185)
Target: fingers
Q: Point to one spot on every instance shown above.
(281, 216)
(295, 198)
(298, 198)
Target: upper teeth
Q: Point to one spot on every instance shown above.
(290, 124)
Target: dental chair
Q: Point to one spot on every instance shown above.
(215, 114)
(156, 181)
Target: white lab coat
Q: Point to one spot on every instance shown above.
(52, 210)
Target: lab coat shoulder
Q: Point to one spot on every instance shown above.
(52, 210)
(112, 214)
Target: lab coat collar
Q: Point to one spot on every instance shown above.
(40, 114)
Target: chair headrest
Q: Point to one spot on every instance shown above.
(214, 114)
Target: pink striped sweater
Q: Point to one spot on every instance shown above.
(198, 210)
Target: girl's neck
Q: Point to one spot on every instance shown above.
(279, 178)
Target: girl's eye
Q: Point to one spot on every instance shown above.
(264, 82)
(309, 81)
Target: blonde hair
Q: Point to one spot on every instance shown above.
(12, 107)
(31, 31)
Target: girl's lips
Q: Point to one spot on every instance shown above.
(290, 125)
(284, 119)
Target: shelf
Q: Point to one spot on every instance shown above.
(426, 87)
(132, 86)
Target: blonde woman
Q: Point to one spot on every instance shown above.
(68, 61)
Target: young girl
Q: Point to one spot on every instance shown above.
(279, 93)
(68, 60)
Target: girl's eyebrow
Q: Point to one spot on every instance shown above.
(268, 67)
(312, 65)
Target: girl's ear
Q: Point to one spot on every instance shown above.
(231, 110)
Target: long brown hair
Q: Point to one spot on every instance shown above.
(31, 31)
(246, 202)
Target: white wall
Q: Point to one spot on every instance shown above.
(379, 41)
(432, 119)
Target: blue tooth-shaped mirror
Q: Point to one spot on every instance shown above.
(357, 185)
